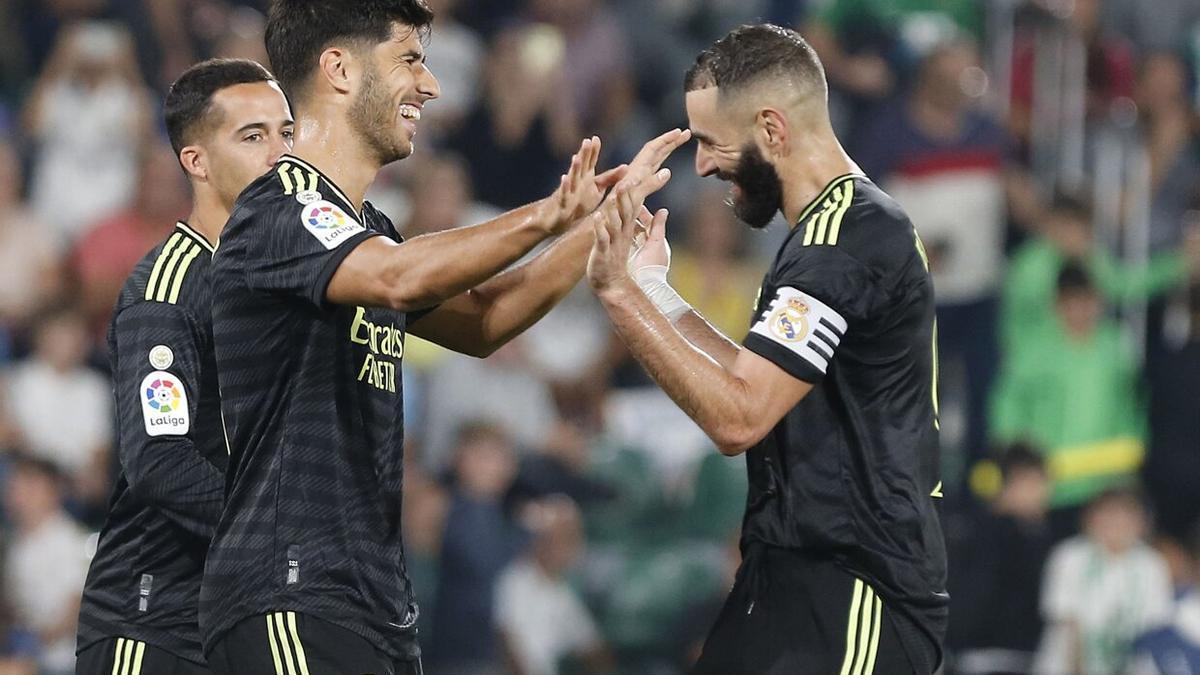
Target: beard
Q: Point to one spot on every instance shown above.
(373, 119)
(761, 190)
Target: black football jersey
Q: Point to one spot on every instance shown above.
(144, 581)
(311, 393)
(852, 470)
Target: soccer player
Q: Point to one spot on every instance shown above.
(314, 292)
(228, 122)
(832, 395)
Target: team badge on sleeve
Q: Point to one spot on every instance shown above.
(161, 357)
(328, 223)
(804, 325)
(164, 405)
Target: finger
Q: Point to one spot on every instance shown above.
(658, 225)
(652, 184)
(644, 217)
(589, 165)
(612, 176)
(628, 209)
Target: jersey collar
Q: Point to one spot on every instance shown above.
(333, 186)
(823, 194)
(200, 239)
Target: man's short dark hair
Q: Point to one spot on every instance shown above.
(189, 102)
(298, 31)
(1021, 457)
(752, 53)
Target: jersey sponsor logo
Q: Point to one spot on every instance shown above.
(804, 325)
(385, 345)
(329, 223)
(161, 357)
(164, 405)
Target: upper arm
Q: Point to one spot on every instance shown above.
(770, 392)
(157, 377)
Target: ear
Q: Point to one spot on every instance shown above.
(772, 132)
(194, 162)
(335, 67)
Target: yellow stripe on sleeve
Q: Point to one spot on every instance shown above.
(183, 268)
(288, 188)
(158, 265)
(835, 227)
(160, 292)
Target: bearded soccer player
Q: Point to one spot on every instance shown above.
(228, 123)
(314, 292)
(832, 396)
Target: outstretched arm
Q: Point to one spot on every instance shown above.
(432, 268)
(484, 318)
(735, 404)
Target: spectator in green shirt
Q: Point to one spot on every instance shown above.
(1073, 391)
(1028, 303)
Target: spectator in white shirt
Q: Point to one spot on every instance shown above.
(46, 564)
(1102, 590)
(540, 619)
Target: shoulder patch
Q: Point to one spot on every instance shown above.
(161, 357)
(329, 223)
(164, 405)
(308, 196)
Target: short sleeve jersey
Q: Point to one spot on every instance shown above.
(311, 395)
(144, 580)
(852, 470)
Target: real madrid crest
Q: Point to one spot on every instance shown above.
(790, 322)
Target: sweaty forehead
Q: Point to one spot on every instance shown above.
(249, 103)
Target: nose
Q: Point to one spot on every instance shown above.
(705, 164)
(279, 146)
(427, 84)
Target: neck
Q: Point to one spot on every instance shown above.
(808, 171)
(335, 150)
(208, 215)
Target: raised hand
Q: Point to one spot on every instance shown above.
(580, 190)
(616, 227)
(650, 247)
(640, 177)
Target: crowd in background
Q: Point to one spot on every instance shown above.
(561, 515)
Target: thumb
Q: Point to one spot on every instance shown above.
(658, 225)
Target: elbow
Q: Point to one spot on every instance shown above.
(734, 439)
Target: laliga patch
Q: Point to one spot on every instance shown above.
(164, 405)
(308, 196)
(329, 223)
(161, 357)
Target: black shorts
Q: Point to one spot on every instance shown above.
(791, 614)
(290, 643)
(123, 656)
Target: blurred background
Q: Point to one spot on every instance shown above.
(562, 516)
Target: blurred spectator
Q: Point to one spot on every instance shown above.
(30, 273)
(46, 564)
(478, 543)
(1028, 304)
(455, 54)
(1073, 392)
(1102, 589)
(502, 387)
(108, 252)
(242, 37)
(1172, 473)
(541, 620)
(696, 621)
(867, 46)
(424, 520)
(55, 386)
(1175, 646)
(1111, 70)
(1166, 28)
(1171, 146)
(19, 646)
(711, 271)
(997, 569)
(441, 197)
(596, 72)
(949, 165)
(88, 114)
(522, 120)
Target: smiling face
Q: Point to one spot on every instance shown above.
(725, 148)
(393, 87)
(254, 129)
